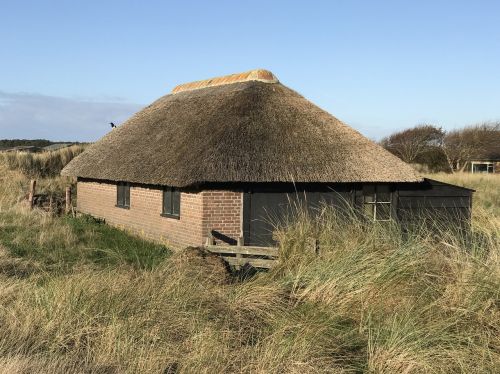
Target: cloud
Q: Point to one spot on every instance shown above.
(30, 116)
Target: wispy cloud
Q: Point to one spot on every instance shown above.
(26, 115)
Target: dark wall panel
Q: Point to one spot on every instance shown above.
(264, 210)
(433, 202)
(266, 207)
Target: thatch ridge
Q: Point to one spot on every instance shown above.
(260, 75)
(241, 132)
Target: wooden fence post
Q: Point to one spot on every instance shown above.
(31, 195)
(68, 199)
(238, 255)
(210, 238)
(313, 245)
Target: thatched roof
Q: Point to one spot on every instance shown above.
(241, 128)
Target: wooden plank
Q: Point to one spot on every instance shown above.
(432, 188)
(210, 238)
(441, 191)
(255, 262)
(31, 196)
(238, 255)
(433, 193)
(244, 250)
(445, 216)
(434, 202)
(68, 200)
(246, 219)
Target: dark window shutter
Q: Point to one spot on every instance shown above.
(176, 202)
(167, 201)
(120, 195)
(127, 195)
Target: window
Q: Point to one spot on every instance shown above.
(377, 202)
(123, 195)
(482, 167)
(171, 202)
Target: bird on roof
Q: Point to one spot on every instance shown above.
(112, 125)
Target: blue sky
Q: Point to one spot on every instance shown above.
(67, 68)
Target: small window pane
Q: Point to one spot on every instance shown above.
(383, 194)
(369, 198)
(383, 212)
(368, 210)
(167, 201)
(368, 193)
(120, 195)
(126, 194)
(176, 202)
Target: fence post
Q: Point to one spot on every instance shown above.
(313, 245)
(210, 238)
(31, 195)
(238, 255)
(68, 199)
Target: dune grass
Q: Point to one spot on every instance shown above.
(16, 169)
(78, 296)
(40, 165)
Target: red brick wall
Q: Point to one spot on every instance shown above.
(222, 212)
(199, 211)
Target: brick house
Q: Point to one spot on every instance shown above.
(230, 154)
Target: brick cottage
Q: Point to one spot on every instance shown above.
(231, 155)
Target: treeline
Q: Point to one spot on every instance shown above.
(439, 150)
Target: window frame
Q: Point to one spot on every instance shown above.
(489, 167)
(175, 202)
(375, 203)
(122, 203)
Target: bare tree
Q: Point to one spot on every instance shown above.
(411, 143)
(478, 141)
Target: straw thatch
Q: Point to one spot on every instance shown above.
(243, 131)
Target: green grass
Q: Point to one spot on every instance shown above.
(62, 242)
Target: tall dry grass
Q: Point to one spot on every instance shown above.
(374, 303)
(40, 165)
(375, 300)
(17, 168)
